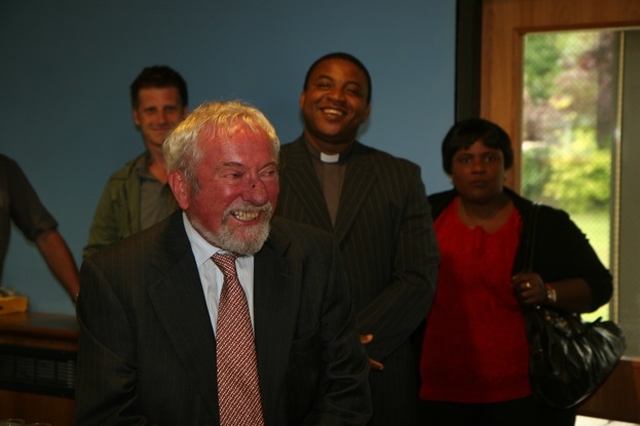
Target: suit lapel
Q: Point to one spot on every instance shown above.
(276, 309)
(358, 182)
(302, 178)
(179, 304)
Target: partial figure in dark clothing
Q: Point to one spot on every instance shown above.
(20, 204)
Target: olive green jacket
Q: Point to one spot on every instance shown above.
(117, 215)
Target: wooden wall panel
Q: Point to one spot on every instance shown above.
(36, 332)
(619, 397)
(36, 408)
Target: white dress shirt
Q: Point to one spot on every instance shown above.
(211, 276)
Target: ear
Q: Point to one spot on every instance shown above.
(136, 118)
(180, 188)
(303, 95)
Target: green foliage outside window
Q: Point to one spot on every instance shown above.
(575, 177)
(567, 127)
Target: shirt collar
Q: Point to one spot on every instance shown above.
(328, 158)
(201, 248)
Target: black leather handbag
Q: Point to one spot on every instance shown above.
(569, 358)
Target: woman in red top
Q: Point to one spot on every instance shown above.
(475, 355)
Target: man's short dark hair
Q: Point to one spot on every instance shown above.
(346, 57)
(158, 76)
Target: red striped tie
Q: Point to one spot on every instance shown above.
(238, 385)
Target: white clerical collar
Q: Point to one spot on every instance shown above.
(329, 158)
(340, 157)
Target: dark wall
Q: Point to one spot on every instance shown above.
(65, 68)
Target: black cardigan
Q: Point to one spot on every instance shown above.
(561, 250)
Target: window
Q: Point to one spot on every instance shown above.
(569, 127)
(580, 148)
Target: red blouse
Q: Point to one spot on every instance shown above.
(475, 348)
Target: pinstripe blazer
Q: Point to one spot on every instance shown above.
(389, 251)
(384, 232)
(147, 349)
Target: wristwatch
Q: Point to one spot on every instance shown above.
(552, 296)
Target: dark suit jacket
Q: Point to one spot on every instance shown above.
(386, 240)
(147, 349)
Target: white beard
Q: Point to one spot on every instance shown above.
(226, 239)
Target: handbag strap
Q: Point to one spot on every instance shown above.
(530, 236)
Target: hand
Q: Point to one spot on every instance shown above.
(375, 365)
(529, 288)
